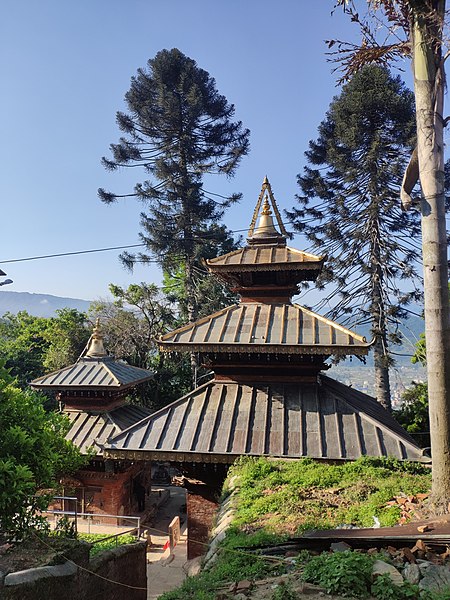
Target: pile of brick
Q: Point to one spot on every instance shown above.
(411, 507)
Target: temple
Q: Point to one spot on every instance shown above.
(93, 394)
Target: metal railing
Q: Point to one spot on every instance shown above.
(93, 520)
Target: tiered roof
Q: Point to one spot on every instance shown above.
(265, 328)
(268, 396)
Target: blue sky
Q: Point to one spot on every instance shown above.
(65, 69)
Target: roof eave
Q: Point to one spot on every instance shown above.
(240, 348)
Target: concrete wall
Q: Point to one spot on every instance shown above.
(124, 564)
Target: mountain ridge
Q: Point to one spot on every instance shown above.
(38, 305)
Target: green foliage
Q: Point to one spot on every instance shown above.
(383, 588)
(33, 456)
(284, 591)
(413, 414)
(212, 295)
(100, 543)
(67, 335)
(232, 564)
(299, 495)
(343, 573)
(132, 323)
(65, 528)
(31, 346)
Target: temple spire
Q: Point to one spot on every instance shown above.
(266, 231)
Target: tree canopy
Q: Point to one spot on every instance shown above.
(348, 208)
(31, 346)
(178, 129)
(132, 322)
(33, 456)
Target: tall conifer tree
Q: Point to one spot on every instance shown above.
(349, 208)
(178, 129)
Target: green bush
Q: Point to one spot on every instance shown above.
(344, 573)
(383, 588)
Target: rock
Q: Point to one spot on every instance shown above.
(4, 548)
(340, 547)
(244, 586)
(380, 568)
(408, 555)
(436, 578)
(423, 565)
(30, 575)
(419, 546)
(411, 573)
(424, 528)
(193, 567)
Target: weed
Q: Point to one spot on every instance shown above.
(344, 573)
(383, 588)
(284, 591)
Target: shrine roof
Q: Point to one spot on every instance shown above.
(94, 370)
(93, 373)
(220, 421)
(267, 256)
(91, 430)
(266, 328)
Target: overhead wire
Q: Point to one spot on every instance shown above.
(204, 236)
(165, 533)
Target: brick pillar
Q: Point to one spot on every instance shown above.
(201, 509)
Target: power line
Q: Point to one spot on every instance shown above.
(14, 260)
(206, 236)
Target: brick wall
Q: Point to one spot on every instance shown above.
(201, 510)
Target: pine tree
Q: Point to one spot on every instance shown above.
(349, 209)
(178, 129)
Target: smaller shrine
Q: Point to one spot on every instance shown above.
(93, 394)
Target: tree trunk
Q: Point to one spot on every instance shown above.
(382, 384)
(378, 313)
(429, 88)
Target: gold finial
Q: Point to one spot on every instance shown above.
(266, 227)
(95, 345)
(266, 206)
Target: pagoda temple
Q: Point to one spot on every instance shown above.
(269, 395)
(92, 393)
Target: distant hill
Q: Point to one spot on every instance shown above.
(38, 305)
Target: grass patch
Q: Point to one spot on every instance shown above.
(278, 499)
(291, 497)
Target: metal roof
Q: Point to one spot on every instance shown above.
(90, 430)
(270, 257)
(220, 421)
(267, 328)
(94, 373)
